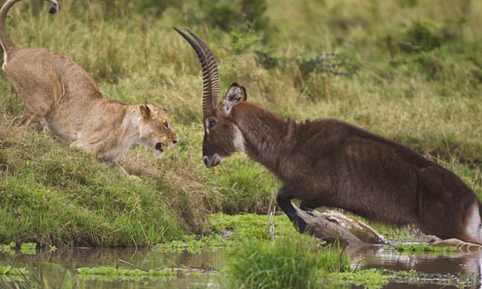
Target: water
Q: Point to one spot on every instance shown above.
(53, 266)
(468, 263)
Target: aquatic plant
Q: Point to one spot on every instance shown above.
(193, 243)
(229, 230)
(113, 271)
(417, 248)
(7, 247)
(28, 248)
(9, 270)
(370, 278)
(446, 279)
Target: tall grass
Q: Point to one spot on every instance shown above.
(291, 261)
(425, 95)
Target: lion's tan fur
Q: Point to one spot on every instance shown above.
(62, 95)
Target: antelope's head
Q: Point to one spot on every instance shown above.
(155, 128)
(222, 136)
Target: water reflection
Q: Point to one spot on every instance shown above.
(468, 264)
(54, 264)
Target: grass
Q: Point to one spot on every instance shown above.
(411, 73)
(287, 262)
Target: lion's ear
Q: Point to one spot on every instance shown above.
(145, 111)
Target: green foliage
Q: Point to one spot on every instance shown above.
(290, 261)
(243, 39)
(426, 35)
(231, 14)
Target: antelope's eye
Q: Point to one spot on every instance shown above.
(166, 125)
(212, 123)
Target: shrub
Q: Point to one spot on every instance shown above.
(229, 14)
(426, 35)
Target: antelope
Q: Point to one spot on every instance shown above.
(62, 96)
(330, 163)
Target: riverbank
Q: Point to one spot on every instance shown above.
(359, 64)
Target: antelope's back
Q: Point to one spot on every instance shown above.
(348, 167)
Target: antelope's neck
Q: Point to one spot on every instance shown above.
(265, 136)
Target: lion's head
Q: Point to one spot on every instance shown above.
(155, 128)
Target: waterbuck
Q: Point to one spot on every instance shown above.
(327, 162)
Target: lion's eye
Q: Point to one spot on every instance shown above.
(212, 123)
(166, 125)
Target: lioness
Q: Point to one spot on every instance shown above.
(64, 97)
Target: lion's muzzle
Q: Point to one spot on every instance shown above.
(158, 147)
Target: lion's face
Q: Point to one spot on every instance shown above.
(155, 129)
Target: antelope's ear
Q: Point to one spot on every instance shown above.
(145, 111)
(234, 95)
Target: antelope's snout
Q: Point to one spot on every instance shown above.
(212, 161)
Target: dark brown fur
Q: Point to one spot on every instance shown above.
(331, 163)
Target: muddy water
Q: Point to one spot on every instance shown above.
(53, 265)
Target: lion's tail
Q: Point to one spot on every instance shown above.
(5, 41)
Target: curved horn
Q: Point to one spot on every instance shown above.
(207, 90)
(213, 67)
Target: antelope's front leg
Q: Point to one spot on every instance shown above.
(284, 201)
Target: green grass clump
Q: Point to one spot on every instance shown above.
(291, 261)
